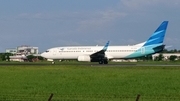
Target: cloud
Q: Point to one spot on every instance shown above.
(60, 16)
(141, 4)
(31, 16)
(82, 21)
(111, 14)
(101, 42)
(95, 26)
(134, 4)
(76, 22)
(100, 20)
(38, 16)
(172, 40)
(67, 42)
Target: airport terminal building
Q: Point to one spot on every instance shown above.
(166, 56)
(24, 50)
(20, 52)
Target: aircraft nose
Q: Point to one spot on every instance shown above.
(43, 54)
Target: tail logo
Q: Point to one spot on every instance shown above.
(158, 36)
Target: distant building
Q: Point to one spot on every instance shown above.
(166, 55)
(11, 50)
(27, 50)
(20, 58)
(21, 52)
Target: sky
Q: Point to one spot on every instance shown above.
(54, 23)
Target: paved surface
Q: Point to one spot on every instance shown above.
(93, 65)
(134, 65)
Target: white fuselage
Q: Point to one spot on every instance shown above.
(74, 52)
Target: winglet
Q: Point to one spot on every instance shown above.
(106, 46)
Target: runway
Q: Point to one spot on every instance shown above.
(92, 65)
(137, 65)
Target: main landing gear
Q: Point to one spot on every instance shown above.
(103, 62)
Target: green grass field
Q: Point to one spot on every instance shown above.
(86, 83)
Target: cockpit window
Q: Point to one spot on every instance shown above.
(47, 51)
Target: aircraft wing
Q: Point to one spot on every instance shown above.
(100, 54)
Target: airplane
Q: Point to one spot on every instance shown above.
(103, 54)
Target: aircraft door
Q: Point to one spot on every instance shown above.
(54, 52)
(143, 50)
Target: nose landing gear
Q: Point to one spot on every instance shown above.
(53, 62)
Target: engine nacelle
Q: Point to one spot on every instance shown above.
(84, 58)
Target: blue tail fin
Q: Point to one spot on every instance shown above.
(158, 36)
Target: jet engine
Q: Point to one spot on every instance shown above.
(84, 58)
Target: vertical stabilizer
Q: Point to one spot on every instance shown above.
(158, 36)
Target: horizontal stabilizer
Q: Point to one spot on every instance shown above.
(159, 48)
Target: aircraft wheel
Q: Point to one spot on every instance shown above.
(53, 62)
(101, 62)
(105, 62)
